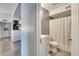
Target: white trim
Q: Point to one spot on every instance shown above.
(4, 36)
(38, 28)
(38, 18)
(15, 40)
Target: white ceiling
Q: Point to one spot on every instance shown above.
(50, 6)
(6, 10)
(17, 14)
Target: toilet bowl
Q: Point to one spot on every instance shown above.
(53, 46)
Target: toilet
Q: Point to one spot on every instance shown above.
(53, 46)
(47, 44)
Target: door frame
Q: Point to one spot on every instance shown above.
(38, 28)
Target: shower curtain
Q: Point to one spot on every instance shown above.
(60, 31)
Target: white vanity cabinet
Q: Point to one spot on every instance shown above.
(16, 35)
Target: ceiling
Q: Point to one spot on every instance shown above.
(6, 10)
(50, 6)
(17, 14)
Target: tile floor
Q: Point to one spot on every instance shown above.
(9, 48)
(61, 53)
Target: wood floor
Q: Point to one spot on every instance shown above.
(9, 48)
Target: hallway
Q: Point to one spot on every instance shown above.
(9, 48)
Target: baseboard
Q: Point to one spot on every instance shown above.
(16, 40)
(5, 37)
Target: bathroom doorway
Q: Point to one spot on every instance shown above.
(55, 29)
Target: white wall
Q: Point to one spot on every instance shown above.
(29, 29)
(44, 22)
(75, 29)
(0, 29)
